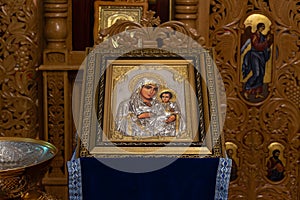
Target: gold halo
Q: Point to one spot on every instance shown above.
(136, 78)
(254, 19)
(173, 99)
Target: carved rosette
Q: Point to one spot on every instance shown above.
(254, 126)
(19, 56)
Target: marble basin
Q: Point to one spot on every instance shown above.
(23, 164)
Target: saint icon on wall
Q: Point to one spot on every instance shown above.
(231, 151)
(234, 167)
(256, 57)
(275, 167)
(275, 162)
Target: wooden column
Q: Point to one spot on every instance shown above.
(57, 88)
(202, 22)
(58, 122)
(56, 31)
(186, 12)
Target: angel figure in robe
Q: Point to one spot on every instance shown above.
(255, 61)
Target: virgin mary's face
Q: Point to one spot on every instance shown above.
(148, 91)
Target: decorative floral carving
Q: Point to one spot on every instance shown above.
(226, 13)
(56, 120)
(276, 118)
(280, 117)
(288, 84)
(286, 13)
(56, 57)
(253, 139)
(18, 59)
(150, 20)
(289, 43)
(236, 117)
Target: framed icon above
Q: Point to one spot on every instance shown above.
(107, 13)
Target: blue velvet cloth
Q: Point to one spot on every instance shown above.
(184, 179)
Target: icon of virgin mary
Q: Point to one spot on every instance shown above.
(143, 114)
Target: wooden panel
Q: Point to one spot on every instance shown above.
(59, 128)
(19, 56)
(256, 125)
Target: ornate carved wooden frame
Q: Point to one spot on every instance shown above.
(134, 44)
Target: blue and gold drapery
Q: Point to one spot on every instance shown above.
(205, 178)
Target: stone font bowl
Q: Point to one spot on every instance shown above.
(23, 164)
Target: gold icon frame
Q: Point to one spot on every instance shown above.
(106, 13)
(96, 127)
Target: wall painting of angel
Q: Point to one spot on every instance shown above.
(256, 57)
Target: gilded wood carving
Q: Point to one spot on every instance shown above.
(253, 128)
(108, 12)
(260, 130)
(19, 56)
(56, 115)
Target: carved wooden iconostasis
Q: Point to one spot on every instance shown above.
(262, 121)
(38, 65)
